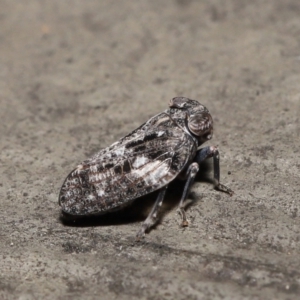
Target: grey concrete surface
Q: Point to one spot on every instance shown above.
(77, 75)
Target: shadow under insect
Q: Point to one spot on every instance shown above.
(139, 209)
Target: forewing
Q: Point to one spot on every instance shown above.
(142, 162)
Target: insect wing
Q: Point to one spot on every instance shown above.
(141, 162)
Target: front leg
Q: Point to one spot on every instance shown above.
(211, 151)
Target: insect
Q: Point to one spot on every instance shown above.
(146, 160)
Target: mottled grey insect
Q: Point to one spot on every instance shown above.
(146, 160)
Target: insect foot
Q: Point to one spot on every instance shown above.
(144, 161)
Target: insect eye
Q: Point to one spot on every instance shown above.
(200, 124)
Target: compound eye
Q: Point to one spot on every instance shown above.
(200, 124)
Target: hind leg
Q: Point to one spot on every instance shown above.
(152, 217)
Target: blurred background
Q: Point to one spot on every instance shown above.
(76, 76)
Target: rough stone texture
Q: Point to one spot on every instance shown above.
(77, 75)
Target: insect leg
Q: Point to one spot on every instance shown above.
(190, 174)
(152, 217)
(208, 152)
